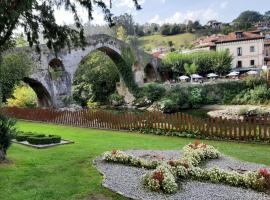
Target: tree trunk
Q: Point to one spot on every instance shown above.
(2, 155)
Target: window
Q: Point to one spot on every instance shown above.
(252, 62)
(239, 51)
(239, 64)
(252, 49)
(266, 53)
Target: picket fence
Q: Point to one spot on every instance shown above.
(251, 129)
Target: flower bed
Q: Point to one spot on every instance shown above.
(167, 175)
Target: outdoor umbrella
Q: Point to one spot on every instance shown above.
(196, 76)
(183, 77)
(212, 75)
(252, 72)
(233, 73)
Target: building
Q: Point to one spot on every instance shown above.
(267, 52)
(263, 25)
(246, 48)
(214, 24)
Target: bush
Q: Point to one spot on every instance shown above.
(44, 140)
(153, 91)
(92, 105)
(23, 96)
(194, 96)
(116, 100)
(38, 139)
(258, 95)
(252, 82)
(7, 132)
(209, 61)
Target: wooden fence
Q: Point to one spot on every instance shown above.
(214, 128)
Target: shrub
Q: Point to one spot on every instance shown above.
(212, 61)
(161, 179)
(92, 105)
(195, 98)
(44, 140)
(7, 132)
(23, 96)
(259, 95)
(37, 139)
(116, 100)
(153, 91)
(251, 81)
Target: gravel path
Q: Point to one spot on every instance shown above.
(127, 181)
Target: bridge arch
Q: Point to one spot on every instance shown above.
(150, 73)
(44, 98)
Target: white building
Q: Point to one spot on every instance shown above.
(246, 48)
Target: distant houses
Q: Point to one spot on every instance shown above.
(214, 24)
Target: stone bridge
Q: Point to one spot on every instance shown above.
(52, 78)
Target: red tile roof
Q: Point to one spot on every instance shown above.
(232, 37)
(208, 41)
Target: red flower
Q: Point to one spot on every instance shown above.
(197, 143)
(264, 172)
(114, 152)
(172, 163)
(185, 164)
(158, 175)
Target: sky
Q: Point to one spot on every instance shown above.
(173, 11)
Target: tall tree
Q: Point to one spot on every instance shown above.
(248, 17)
(37, 16)
(126, 20)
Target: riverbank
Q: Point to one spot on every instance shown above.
(237, 111)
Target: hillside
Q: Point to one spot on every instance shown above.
(157, 41)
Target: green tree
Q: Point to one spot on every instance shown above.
(191, 68)
(121, 33)
(95, 79)
(266, 16)
(165, 29)
(246, 19)
(20, 41)
(7, 130)
(23, 96)
(13, 69)
(208, 61)
(126, 21)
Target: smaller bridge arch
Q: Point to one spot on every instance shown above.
(44, 98)
(150, 73)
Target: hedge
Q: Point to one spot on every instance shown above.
(38, 139)
(44, 140)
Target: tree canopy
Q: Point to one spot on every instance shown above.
(37, 17)
(249, 17)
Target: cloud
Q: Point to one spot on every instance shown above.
(203, 15)
(155, 19)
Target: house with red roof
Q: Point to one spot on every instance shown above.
(247, 48)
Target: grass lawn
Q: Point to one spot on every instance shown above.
(155, 41)
(66, 172)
